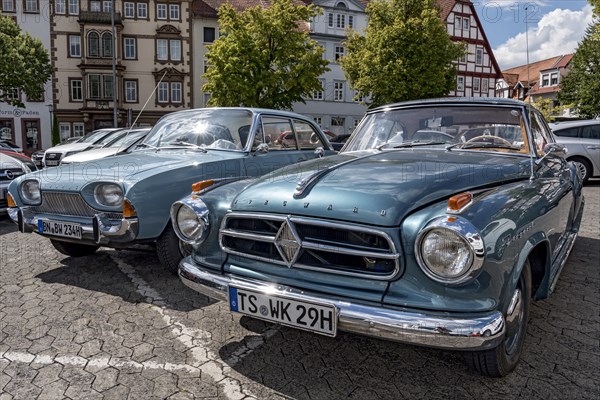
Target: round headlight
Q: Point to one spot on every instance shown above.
(30, 191)
(108, 194)
(450, 252)
(190, 220)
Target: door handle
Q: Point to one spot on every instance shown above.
(593, 147)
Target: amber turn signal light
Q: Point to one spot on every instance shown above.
(128, 210)
(460, 200)
(198, 186)
(10, 201)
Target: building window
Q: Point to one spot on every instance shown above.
(10, 94)
(339, 52)
(73, 7)
(142, 10)
(460, 83)
(174, 12)
(330, 20)
(76, 89)
(106, 6)
(131, 93)
(338, 122)
(358, 97)
(318, 95)
(163, 92)
(95, 6)
(205, 66)
(60, 6)
(74, 46)
(463, 58)
(338, 91)
(129, 48)
(65, 130)
(176, 92)
(31, 6)
(465, 23)
(545, 80)
(209, 35)
(340, 21)
(168, 49)
(100, 86)
(485, 86)
(478, 56)
(318, 121)
(161, 11)
(78, 129)
(476, 87)
(93, 44)
(6, 129)
(350, 21)
(107, 44)
(554, 79)
(129, 9)
(9, 6)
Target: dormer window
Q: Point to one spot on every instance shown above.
(554, 79)
(545, 80)
(341, 5)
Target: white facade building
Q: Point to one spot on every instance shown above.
(29, 127)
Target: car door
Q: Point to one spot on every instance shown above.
(590, 141)
(280, 152)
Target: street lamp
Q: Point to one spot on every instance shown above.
(51, 110)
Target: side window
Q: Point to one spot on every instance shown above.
(591, 132)
(278, 133)
(308, 138)
(569, 132)
(541, 133)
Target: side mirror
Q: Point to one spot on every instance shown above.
(319, 152)
(262, 148)
(554, 150)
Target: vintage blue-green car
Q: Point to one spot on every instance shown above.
(436, 225)
(124, 200)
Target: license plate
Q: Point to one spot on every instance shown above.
(59, 228)
(318, 318)
(51, 163)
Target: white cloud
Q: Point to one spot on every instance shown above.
(557, 32)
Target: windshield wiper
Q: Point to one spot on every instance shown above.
(145, 145)
(482, 145)
(414, 143)
(187, 144)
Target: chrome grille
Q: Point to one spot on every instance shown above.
(9, 174)
(71, 204)
(311, 244)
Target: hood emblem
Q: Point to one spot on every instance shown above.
(9, 174)
(288, 243)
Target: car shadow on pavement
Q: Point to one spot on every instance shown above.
(6, 225)
(101, 272)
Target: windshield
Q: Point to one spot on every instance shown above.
(205, 128)
(463, 127)
(128, 138)
(95, 136)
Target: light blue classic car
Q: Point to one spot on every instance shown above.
(436, 225)
(124, 200)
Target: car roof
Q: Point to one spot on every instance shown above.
(573, 124)
(250, 109)
(453, 101)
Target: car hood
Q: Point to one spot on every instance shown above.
(127, 169)
(90, 155)
(66, 148)
(377, 187)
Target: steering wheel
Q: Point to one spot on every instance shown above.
(481, 138)
(314, 138)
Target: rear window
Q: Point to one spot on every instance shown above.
(591, 132)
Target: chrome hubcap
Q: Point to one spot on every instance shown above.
(581, 169)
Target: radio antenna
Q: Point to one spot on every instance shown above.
(532, 145)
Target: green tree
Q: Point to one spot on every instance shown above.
(264, 57)
(548, 109)
(24, 63)
(405, 54)
(582, 85)
(55, 131)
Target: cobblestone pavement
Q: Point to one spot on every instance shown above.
(116, 326)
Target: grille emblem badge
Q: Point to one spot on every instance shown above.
(288, 243)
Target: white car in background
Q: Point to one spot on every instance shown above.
(98, 138)
(124, 142)
(582, 139)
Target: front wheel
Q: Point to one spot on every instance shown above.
(73, 249)
(584, 168)
(171, 250)
(503, 359)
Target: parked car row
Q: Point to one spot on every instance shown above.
(582, 139)
(436, 225)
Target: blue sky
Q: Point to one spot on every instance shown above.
(554, 27)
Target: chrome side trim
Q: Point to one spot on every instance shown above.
(453, 331)
(392, 253)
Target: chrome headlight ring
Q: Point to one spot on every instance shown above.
(30, 192)
(462, 245)
(189, 218)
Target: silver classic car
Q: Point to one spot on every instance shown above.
(436, 225)
(124, 201)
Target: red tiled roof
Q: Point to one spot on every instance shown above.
(534, 69)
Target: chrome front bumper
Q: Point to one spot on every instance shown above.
(440, 330)
(100, 230)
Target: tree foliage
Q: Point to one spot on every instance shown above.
(264, 57)
(24, 63)
(582, 85)
(55, 131)
(405, 54)
(548, 109)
